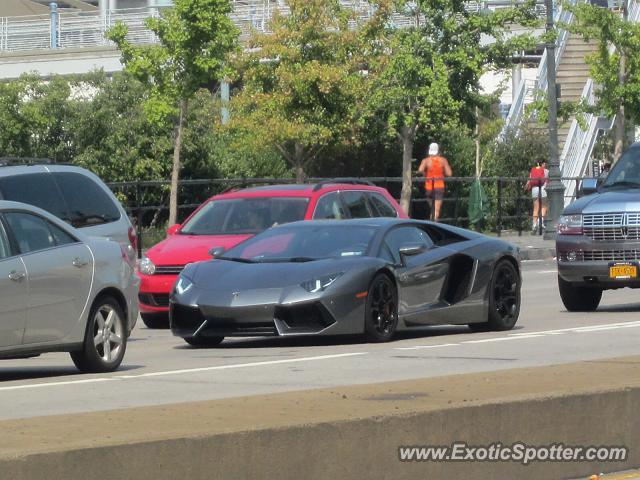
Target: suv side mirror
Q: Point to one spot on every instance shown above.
(588, 186)
(412, 249)
(173, 229)
(215, 252)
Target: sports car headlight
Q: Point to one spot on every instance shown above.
(320, 283)
(146, 266)
(569, 225)
(183, 285)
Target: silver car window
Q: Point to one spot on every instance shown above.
(31, 232)
(5, 248)
(60, 236)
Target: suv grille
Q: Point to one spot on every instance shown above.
(169, 270)
(611, 255)
(612, 226)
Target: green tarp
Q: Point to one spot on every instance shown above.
(478, 208)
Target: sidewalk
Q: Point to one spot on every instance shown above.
(532, 247)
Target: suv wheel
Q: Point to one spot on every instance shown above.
(105, 339)
(579, 299)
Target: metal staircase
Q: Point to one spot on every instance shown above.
(576, 143)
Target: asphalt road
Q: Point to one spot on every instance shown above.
(159, 368)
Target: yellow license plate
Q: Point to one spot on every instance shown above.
(623, 271)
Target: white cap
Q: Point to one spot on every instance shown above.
(433, 149)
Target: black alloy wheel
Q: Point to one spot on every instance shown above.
(381, 312)
(504, 298)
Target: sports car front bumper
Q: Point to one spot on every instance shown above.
(268, 312)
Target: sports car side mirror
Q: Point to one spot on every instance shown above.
(215, 252)
(173, 229)
(412, 249)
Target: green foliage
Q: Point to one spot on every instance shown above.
(517, 153)
(428, 76)
(35, 118)
(195, 38)
(114, 136)
(609, 29)
(299, 83)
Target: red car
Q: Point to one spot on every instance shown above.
(230, 218)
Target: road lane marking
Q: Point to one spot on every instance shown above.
(502, 339)
(577, 329)
(419, 347)
(71, 382)
(242, 365)
(188, 370)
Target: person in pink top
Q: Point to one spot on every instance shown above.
(538, 177)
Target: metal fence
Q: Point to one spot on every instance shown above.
(509, 204)
(79, 29)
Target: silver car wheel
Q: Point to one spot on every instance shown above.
(108, 333)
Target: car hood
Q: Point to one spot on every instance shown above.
(605, 202)
(228, 275)
(182, 249)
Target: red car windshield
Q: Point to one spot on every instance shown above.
(245, 215)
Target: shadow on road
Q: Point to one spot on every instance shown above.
(30, 373)
(319, 341)
(633, 307)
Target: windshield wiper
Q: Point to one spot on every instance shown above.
(236, 259)
(622, 183)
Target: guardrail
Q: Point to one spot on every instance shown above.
(510, 206)
(78, 29)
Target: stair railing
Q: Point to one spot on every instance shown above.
(519, 99)
(578, 147)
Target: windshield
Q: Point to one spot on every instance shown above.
(244, 215)
(626, 172)
(304, 243)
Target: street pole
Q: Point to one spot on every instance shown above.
(555, 188)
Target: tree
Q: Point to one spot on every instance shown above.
(195, 39)
(615, 71)
(299, 83)
(35, 118)
(427, 76)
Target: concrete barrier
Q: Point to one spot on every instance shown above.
(345, 433)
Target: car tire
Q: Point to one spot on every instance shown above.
(381, 310)
(155, 321)
(105, 339)
(203, 342)
(504, 299)
(579, 299)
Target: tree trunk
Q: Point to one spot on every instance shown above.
(407, 137)
(298, 156)
(175, 172)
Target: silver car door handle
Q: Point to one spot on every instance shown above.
(17, 276)
(78, 262)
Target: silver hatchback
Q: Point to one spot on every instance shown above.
(598, 241)
(63, 291)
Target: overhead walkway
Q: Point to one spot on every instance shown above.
(74, 41)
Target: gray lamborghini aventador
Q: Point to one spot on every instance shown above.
(369, 276)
